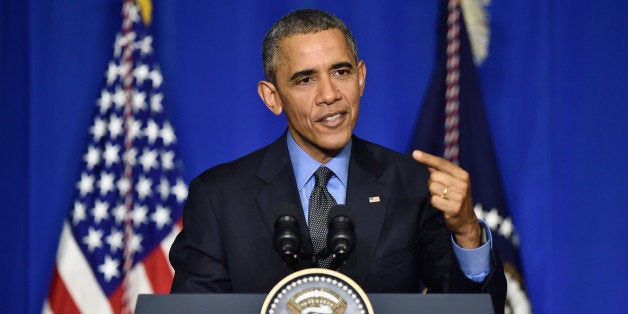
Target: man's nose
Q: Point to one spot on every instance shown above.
(328, 92)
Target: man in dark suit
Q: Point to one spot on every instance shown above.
(413, 217)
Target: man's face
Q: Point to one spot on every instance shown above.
(319, 85)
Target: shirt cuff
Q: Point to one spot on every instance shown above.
(475, 263)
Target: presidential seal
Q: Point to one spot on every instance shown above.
(316, 291)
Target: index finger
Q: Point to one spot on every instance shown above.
(435, 162)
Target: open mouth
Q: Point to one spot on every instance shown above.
(332, 118)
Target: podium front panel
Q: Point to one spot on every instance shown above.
(252, 303)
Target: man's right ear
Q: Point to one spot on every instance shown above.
(268, 93)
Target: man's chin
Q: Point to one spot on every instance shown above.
(335, 144)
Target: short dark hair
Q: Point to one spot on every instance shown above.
(300, 22)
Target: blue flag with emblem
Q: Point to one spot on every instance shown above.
(453, 124)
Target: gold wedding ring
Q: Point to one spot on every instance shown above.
(444, 194)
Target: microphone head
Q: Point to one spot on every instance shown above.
(287, 236)
(286, 219)
(341, 235)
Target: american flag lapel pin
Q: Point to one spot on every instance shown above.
(374, 199)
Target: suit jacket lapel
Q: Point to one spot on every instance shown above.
(368, 200)
(276, 170)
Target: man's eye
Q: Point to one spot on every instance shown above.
(342, 72)
(305, 80)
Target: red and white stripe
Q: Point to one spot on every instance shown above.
(74, 287)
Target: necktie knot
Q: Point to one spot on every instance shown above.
(322, 175)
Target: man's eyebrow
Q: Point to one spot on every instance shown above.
(340, 65)
(309, 72)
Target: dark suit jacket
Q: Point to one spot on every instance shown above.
(226, 244)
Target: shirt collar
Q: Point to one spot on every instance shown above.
(304, 165)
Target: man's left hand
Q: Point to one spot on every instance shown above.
(451, 193)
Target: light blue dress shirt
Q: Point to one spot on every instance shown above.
(475, 263)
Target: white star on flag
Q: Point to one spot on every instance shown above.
(99, 129)
(100, 211)
(93, 239)
(106, 184)
(78, 214)
(86, 185)
(109, 268)
(115, 240)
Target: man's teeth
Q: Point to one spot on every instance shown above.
(332, 118)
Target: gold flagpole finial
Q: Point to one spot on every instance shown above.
(146, 10)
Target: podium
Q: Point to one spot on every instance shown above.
(252, 303)
(315, 290)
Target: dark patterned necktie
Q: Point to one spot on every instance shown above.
(320, 204)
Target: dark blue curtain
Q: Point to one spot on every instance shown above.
(553, 88)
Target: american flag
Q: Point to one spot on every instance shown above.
(129, 198)
(453, 124)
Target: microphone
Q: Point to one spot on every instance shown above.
(341, 235)
(287, 237)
